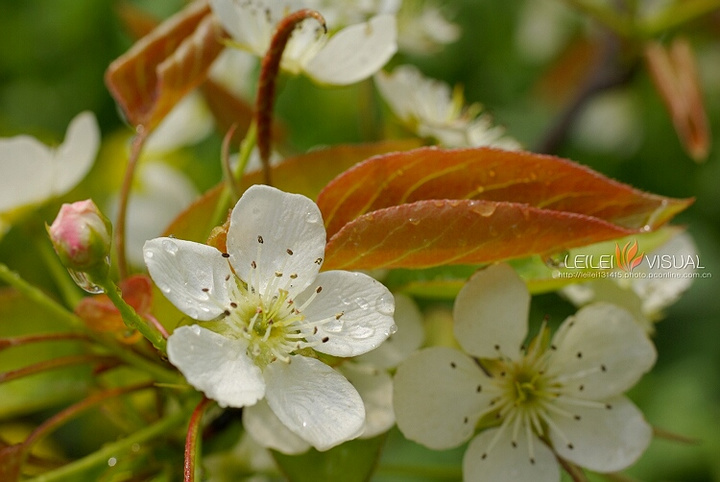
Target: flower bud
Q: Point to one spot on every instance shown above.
(81, 236)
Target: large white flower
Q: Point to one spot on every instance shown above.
(265, 312)
(32, 173)
(429, 108)
(350, 55)
(556, 397)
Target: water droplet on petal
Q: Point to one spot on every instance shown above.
(149, 254)
(169, 246)
(385, 305)
(361, 332)
(312, 218)
(362, 303)
(392, 330)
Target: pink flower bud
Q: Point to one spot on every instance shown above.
(81, 235)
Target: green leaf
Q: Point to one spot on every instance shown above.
(353, 461)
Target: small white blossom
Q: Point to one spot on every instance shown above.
(32, 173)
(556, 397)
(354, 53)
(264, 311)
(430, 109)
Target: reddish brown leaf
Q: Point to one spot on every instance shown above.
(675, 74)
(431, 233)
(542, 181)
(136, 22)
(306, 174)
(11, 457)
(149, 79)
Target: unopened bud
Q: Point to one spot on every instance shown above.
(81, 236)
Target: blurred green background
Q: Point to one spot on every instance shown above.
(53, 54)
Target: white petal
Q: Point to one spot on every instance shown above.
(246, 22)
(280, 233)
(76, 154)
(600, 352)
(491, 313)
(503, 462)
(25, 172)
(356, 52)
(314, 401)
(183, 270)
(358, 309)
(603, 440)
(267, 430)
(375, 388)
(406, 340)
(216, 365)
(438, 396)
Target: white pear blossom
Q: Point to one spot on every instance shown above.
(369, 375)
(264, 312)
(430, 109)
(649, 290)
(554, 397)
(32, 173)
(350, 55)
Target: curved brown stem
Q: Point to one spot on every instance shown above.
(268, 77)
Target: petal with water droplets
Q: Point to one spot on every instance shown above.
(277, 239)
(314, 401)
(193, 276)
(216, 365)
(353, 313)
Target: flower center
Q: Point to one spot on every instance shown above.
(269, 322)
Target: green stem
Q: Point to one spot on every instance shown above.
(225, 197)
(76, 324)
(101, 457)
(130, 316)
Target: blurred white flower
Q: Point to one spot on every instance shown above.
(188, 123)
(422, 28)
(263, 310)
(561, 396)
(32, 173)
(350, 55)
(430, 109)
(650, 290)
